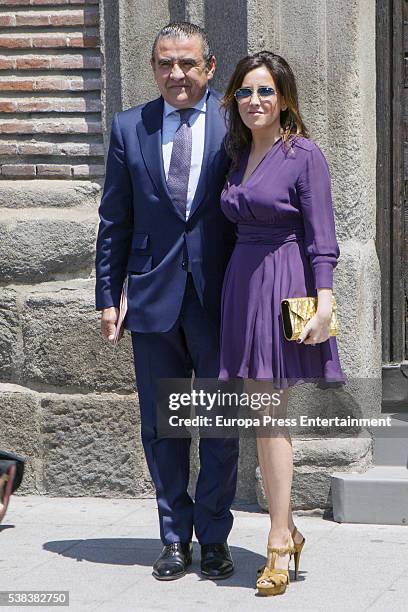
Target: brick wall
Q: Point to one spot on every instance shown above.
(50, 85)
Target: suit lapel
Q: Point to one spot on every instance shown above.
(149, 131)
(213, 125)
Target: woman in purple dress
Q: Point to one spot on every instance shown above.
(278, 193)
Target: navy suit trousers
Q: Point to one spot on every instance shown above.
(191, 344)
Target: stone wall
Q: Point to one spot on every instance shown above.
(67, 403)
(73, 398)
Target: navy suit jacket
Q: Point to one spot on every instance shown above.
(142, 233)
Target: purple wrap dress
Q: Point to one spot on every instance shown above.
(286, 247)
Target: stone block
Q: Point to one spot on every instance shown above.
(63, 345)
(25, 171)
(91, 446)
(358, 293)
(46, 245)
(20, 432)
(75, 445)
(88, 170)
(315, 460)
(9, 332)
(49, 194)
(60, 171)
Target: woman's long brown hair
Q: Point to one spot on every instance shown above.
(238, 134)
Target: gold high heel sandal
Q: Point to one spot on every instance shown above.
(296, 554)
(298, 551)
(274, 581)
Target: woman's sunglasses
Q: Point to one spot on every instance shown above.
(246, 92)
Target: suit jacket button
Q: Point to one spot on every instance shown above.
(184, 265)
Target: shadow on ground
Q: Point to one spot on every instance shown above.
(143, 552)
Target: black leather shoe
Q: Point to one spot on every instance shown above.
(173, 561)
(216, 561)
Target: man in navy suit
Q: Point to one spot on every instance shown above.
(162, 227)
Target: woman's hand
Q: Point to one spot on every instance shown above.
(317, 329)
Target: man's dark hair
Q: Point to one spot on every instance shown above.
(184, 29)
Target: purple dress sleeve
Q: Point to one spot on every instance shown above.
(315, 199)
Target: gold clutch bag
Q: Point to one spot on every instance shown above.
(296, 312)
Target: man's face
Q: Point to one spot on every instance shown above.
(180, 71)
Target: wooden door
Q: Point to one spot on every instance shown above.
(392, 196)
(392, 107)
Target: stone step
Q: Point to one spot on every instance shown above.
(378, 496)
(391, 445)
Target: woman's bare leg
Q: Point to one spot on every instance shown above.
(298, 535)
(276, 464)
(5, 490)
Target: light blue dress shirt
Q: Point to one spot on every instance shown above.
(171, 121)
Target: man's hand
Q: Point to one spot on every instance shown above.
(108, 322)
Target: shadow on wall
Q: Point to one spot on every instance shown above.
(226, 25)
